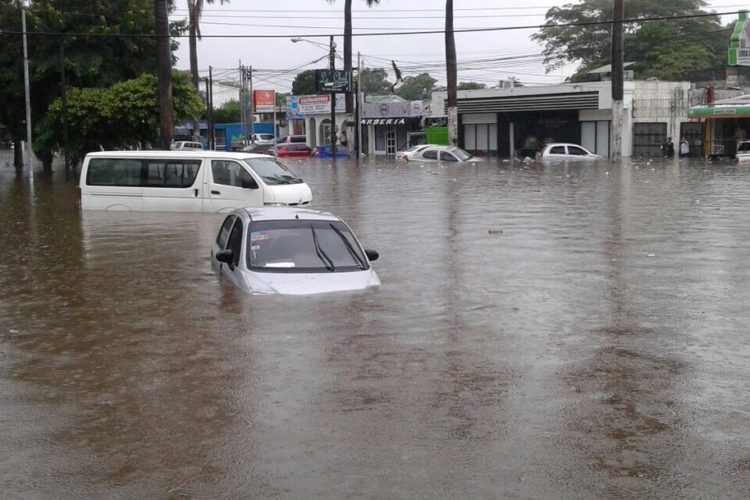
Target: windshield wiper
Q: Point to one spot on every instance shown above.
(349, 247)
(325, 259)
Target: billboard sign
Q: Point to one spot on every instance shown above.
(264, 100)
(319, 104)
(336, 80)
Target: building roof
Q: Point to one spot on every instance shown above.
(607, 68)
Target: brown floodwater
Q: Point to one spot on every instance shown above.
(578, 331)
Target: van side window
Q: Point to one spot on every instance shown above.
(235, 242)
(231, 173)
(114, 172)
(223, 236)
(142, 173)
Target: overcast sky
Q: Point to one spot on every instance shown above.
(277, 60)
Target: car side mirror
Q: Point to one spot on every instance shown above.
(225, 256)
(249, 183)
(372, 254)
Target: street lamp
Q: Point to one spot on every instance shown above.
(27, 91)
(332, 63)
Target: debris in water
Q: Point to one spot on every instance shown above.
(495, 231)
(652, 255)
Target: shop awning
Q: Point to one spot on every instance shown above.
(390, 121)
(734, 107)
(720, 111)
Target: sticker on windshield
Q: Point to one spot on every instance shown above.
(256, 236)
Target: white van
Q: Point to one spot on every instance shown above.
(187, 181)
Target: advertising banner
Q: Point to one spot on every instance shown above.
(406, 109)
(264, 100)
(319, 104)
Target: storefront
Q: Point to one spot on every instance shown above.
(726, 123)
(386, 126)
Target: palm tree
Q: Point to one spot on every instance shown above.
(195, 11)
(164, 72)
(450, 65)
(348, 45)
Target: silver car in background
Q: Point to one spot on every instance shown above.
(291, 251)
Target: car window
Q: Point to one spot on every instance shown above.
(744, 147)
(446, 156)
(575, 150)
(557, 150)
(272, 171)
(298, 138)
(235, 241)
(461, 154)
(231, 173)
(303, 246)
(223, 236)
(430, 154)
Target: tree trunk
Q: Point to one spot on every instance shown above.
(193, 44)
(450, 64)
(164, 73)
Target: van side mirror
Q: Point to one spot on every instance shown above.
(372, 254)
(225, 256)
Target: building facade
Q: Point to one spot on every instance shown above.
(516, 122)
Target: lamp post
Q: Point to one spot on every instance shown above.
(27, 90)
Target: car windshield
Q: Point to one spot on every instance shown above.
(744, 147)
(461, 154)
(272, 171)
(303, 246)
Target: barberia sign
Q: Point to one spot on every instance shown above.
(384, 121)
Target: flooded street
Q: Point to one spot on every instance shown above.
(576, 331)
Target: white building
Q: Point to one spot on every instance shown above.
(513, 122)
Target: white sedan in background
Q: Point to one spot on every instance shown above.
(434, 153)
(564, 151)
(291, 251)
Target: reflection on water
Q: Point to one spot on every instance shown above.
(569, 331)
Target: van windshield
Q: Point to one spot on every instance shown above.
(272, 171)
(743, 147)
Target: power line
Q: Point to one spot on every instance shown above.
(396, 33)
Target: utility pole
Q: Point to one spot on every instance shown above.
(333, 100)
(617, 79)
(26, 87)
(358, 114)
(210, 95)
(251, 103)
(243, 107)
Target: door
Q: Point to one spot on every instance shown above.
(234, 243)
(231, 185)
(172, 185)
(648, 138)
(390, 140)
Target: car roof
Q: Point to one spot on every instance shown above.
(177, 154)
(287, 213)
(563, 144)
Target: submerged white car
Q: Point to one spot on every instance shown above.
(564, 151)
(291, 251)
(429, 153)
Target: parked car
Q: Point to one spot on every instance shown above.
(291, 138)
(434, 153)
(292, 149)
(743, 152)
(261, 149)
(291, 251)
(263, 139)
(325, 151)
(564, 151)
(411, 150)
(186, 145)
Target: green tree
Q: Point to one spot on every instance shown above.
(689, 48)
(471, 86)
(89, 60)
(123, 115)
(417, 87)
(304, 83)
(375, 81)
(229, 112)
